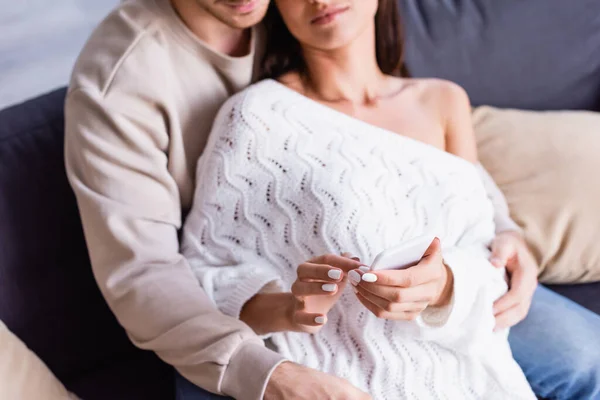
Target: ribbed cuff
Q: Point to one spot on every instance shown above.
(249, 371)
(438, 316)
(247, 288)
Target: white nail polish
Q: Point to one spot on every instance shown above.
(329, 287)
(334, 274)
(369, 278)
(354, 277)
(320, 320)
(365, 269)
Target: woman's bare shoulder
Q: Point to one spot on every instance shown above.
(437, 90)
(450, 102)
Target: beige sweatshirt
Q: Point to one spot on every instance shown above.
(141, 103)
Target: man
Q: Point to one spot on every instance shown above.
(142, 99)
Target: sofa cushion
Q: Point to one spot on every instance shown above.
(48, 296)
(534, 54)
(542, 161)
(23, 375)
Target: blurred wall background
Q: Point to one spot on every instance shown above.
(39, 42)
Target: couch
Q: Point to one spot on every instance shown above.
(535, 54)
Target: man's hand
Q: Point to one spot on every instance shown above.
(404, 294)
(510, 250)
(293, 381)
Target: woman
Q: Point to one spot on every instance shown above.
(340, 155)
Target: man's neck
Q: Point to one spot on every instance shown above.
(233, 42)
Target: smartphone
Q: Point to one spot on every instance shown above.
(406, 255)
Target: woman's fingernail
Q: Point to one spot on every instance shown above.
(329, 287)
(365, 269)
(334, 274)
(354, 277)
(355, 290)
(369, 277)
(320, 320)
(355, 259)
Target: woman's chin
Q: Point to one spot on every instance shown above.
(334, 37)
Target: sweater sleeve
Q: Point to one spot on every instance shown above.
(228, 282)
(129, 203)
(219, 237)
(502, 217)
(468, 321)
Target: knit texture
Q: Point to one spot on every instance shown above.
(284, 179)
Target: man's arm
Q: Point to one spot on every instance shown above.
(115, 151)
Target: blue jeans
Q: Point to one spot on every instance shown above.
(557, 346)
(186, 390)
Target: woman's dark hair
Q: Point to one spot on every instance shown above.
(284, 54)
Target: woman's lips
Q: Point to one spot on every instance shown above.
(328, 15)
(242, 7)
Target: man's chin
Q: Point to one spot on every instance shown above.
(245, 21)
(242, 20)
(242, 23)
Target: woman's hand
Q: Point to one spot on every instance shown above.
(318, 287)
(510, 250)
(319, 284)
(404, 294)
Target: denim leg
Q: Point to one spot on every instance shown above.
(558, 348)
(186, 390)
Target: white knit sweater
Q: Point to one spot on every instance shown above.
(284, 179)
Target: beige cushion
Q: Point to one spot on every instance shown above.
(23, 375)
(548, 166)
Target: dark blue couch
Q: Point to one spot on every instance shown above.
(536, 54)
